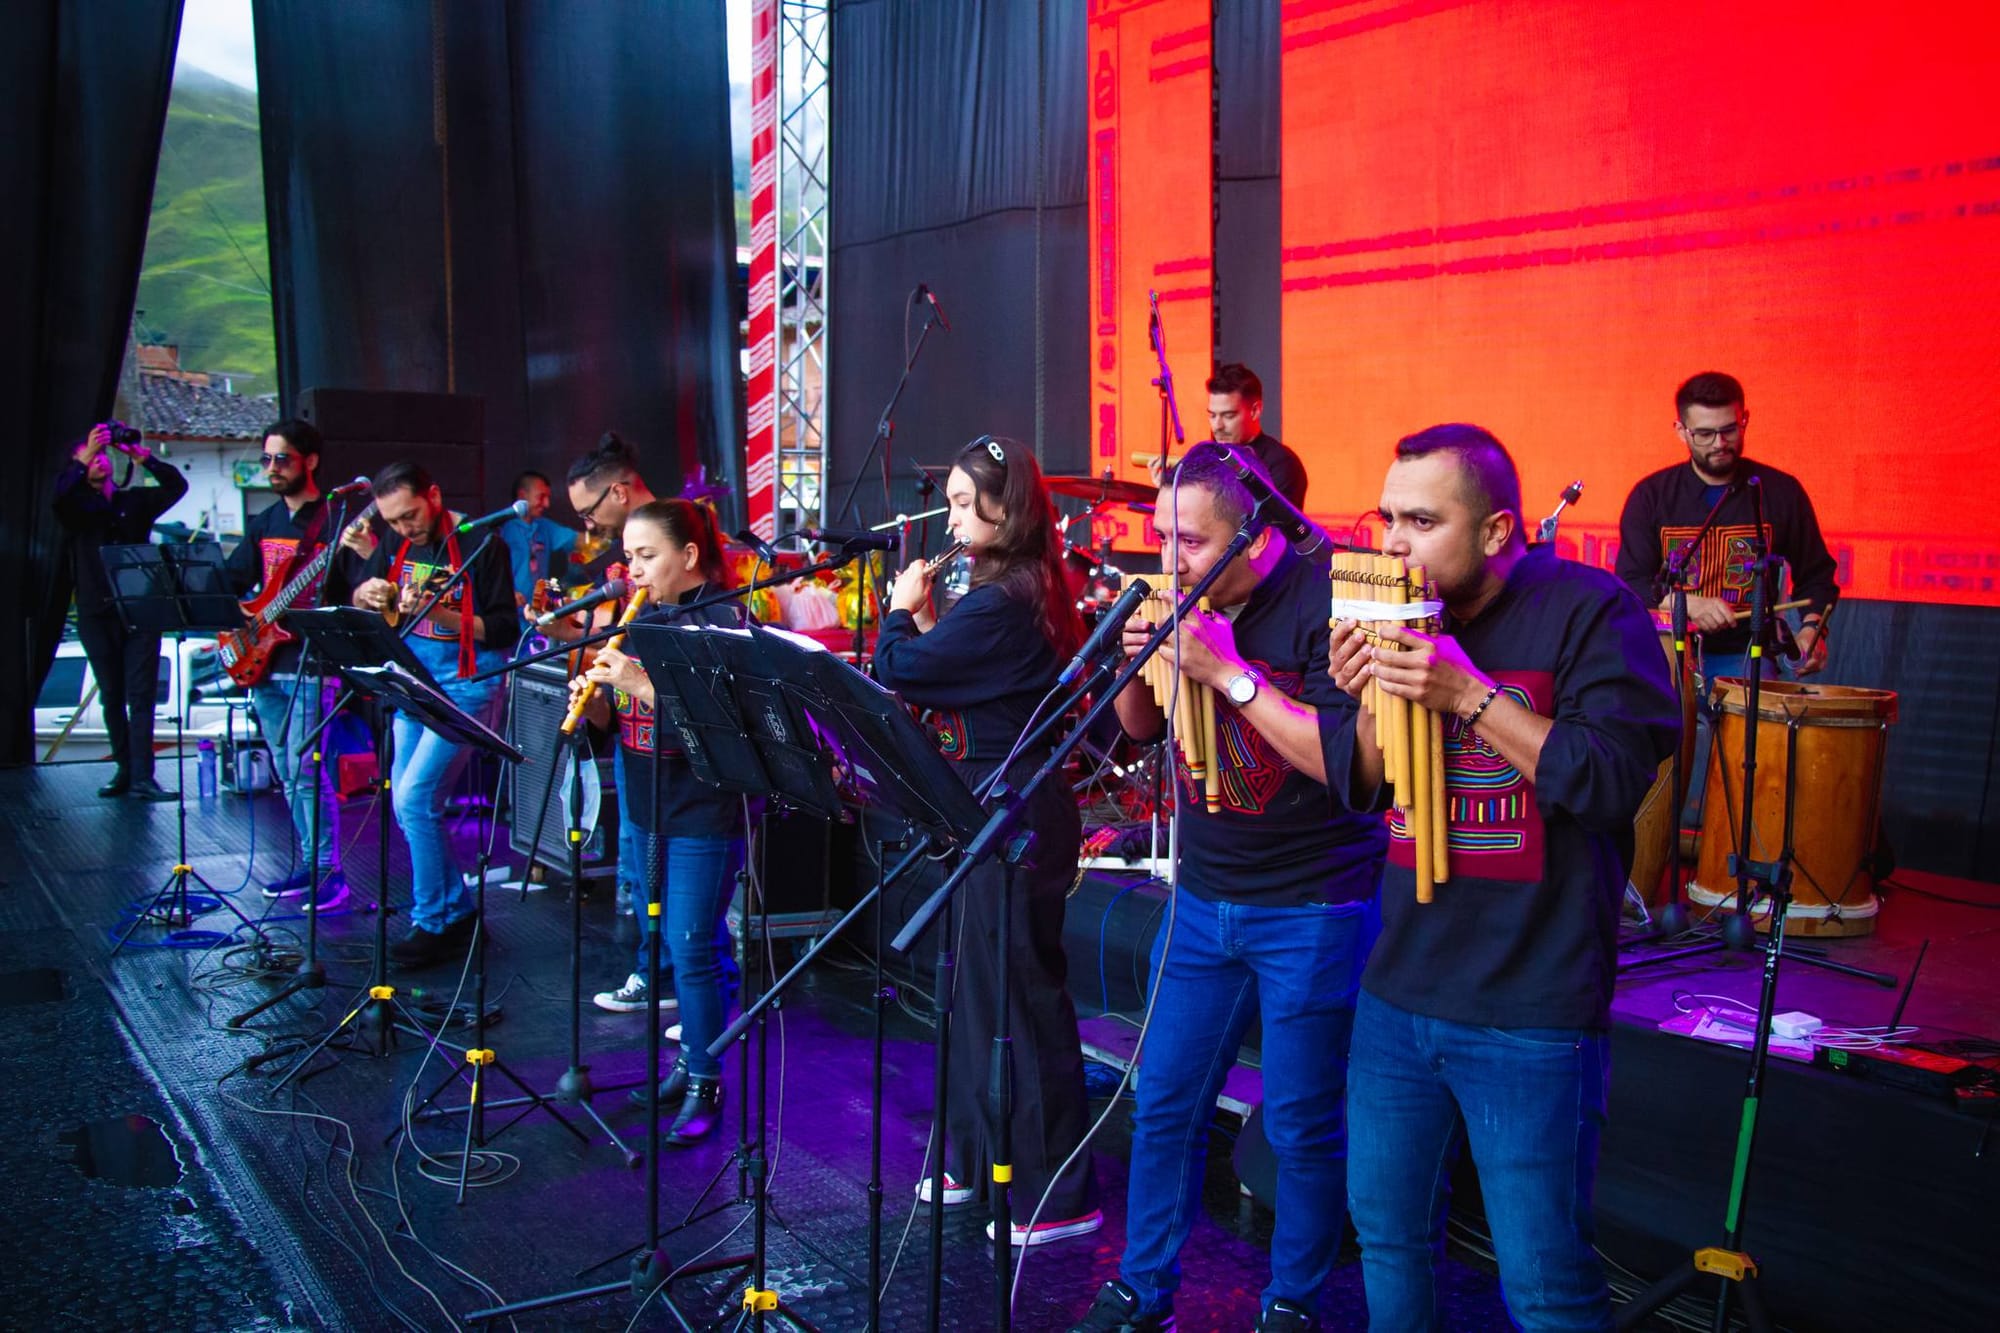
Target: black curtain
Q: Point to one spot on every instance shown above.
(934, 180)
(1246, 196)
(84, 100)
(530, 203)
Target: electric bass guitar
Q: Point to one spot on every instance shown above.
(246, 653)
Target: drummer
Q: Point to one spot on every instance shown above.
(1667, 508)
(1236, 418)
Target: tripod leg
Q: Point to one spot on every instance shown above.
(1631, 1315)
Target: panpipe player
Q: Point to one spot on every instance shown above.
(1272, 911)
(1484, 1014)
(977, 673)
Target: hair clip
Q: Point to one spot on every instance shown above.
(999, 454)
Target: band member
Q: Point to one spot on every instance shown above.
(1484, 1013)
(978, 672)
(534, 543)
(1668, 507)
(95, 511)
(1236, 418)
(465, 633)
(1272, 913)
(604, 486)
(278, 540)
(692, 833)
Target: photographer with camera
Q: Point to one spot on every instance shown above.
(96, 511)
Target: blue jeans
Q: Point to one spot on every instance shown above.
(291, 757)
(1530, 1102)
(694, 907)
(420, 785)
(1301, 966)
(631, 848)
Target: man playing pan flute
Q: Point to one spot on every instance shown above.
(1484, 1014)
(1272, 910)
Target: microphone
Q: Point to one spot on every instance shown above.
(519, 509)
(1107, 632)
(1573, 492)
(852, 541)
(359, 486)
(765, 551)
(610, 591)
(924, 290)
(1306, 536)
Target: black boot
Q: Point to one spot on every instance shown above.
(672, 1088)
(121, 782)
(701, 1111)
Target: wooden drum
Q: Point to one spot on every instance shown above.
(1657, 820)
(1843, 741)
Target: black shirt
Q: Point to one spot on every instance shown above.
(1287, 473)
(1523, 933)
(124, 519)
(686, 807)
(271, 539)
(975, 677)
(1281, 839)
(1667, 508)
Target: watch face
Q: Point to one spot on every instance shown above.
(1242, 689)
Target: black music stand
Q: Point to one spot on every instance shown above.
(763, 712)
(171, 590)
(375, 664)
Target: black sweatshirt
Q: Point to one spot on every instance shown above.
(686, 807)
(1667, 508)
(1524, 931)
(975, 677)
(1282, 466)
(1281, 838)
(125, 519)
(271, 538)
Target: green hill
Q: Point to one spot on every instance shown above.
(205, 284)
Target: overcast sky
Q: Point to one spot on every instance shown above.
(216, 36)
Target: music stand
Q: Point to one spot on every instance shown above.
(377, 665)
(170, 590)
(764, 712)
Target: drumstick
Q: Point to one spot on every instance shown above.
(1744, 614)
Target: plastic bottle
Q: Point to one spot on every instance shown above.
(206, 768)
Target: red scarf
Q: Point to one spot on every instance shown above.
(467, 663)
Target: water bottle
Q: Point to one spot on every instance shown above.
(206, 768)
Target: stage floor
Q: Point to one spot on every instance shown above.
(291, 1209)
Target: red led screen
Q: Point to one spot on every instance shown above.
(1542, 217)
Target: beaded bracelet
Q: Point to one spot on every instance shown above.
(1484, 704)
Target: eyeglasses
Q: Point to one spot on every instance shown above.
(281, 461)
(588, 512)
(1708, 435)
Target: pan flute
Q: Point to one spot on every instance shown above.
(1189, 704)
(1380, 592)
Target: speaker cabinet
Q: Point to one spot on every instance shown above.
(540, 701)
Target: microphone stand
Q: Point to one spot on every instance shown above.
(1170, 412)
(1673, 918)
(885, 425)
(311, 974)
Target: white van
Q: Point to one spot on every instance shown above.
(70, 694)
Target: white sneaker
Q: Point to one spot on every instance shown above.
(626, 999)
(1045, 1232)
(954, 1193)
(673, 1033)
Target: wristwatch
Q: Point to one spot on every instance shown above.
(1243, 686)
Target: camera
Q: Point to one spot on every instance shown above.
(122, 434)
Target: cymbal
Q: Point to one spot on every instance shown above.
(1101, 490)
